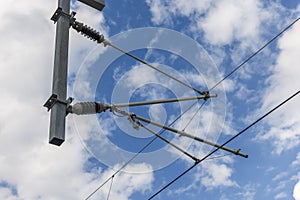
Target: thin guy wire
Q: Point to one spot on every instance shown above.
(254, 54)
(112, 179)
(155, 68)
(194, 116)
(141, 150)
(220, 156)
(232, 138)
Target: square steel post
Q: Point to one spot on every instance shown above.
(60, 74)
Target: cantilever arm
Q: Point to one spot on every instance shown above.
(84, 108)
(163, 101)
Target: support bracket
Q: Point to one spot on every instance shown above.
(53, 100)
(59, 12)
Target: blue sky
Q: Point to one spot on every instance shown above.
(198, 43)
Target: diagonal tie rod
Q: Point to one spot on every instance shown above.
(183, 133)
(167, 141)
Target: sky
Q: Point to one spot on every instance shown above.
(199, 43)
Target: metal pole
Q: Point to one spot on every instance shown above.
(59, 87)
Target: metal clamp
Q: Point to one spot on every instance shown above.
(206, 94)
(135, 124)
(53, 100)
(60, 12)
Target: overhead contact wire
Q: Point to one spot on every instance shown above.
(228, 75)
(255, 53)
(228, 141)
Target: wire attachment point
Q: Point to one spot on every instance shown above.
(135, 124)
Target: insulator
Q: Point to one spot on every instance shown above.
(85, 108)
(88, 32)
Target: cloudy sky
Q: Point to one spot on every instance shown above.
(198, 42)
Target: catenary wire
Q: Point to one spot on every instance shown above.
(140, 151)
(255, 53)
(228, 141)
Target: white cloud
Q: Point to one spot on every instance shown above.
(297, 161)
(213, 174)
(281, 195)
(31, 167)
(284, 124)
(248, 192)
(296, 191)
(6, 193)
(160, 11)
(129, 183)
(39, 170)
(124, 184)
(280, 176)
(244, 25)
(217, 175)
(222, 22)
(227, 21)
(164, 10)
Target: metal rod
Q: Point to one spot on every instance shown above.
(168, 142)
(162, 101)
(182, 133)
(85, 108)
(59, 86)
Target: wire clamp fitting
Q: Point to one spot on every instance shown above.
(134, 123)
(206, 95)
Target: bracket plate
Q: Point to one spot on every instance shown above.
(53, 100)
(59, 12)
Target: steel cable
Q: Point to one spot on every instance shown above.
(228, 141)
